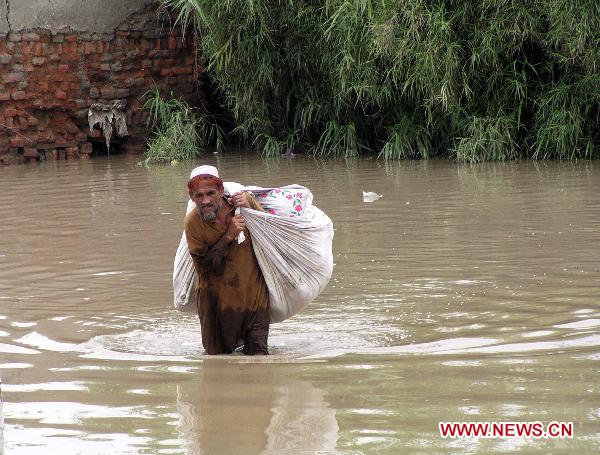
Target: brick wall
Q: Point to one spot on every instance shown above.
(48, 81)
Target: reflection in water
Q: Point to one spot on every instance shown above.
(253, 408)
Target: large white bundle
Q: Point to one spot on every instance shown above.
(293, 245)
(184, 276)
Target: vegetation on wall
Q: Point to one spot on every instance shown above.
(174, 127)
(177, 130)
(477, 80)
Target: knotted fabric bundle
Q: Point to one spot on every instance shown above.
(292, 241)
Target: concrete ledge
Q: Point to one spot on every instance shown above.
(99, 16)
(4, 28)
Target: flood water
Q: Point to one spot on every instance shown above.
(466, 293)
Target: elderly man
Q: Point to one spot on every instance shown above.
(233, 299)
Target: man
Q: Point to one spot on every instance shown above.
(233, 298)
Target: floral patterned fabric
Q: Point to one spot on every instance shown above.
(290, 201)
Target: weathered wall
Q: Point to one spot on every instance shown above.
(100, 16)
(50, 77)
(3, 17)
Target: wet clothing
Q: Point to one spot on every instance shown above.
(232, 296)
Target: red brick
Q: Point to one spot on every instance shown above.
(31, 37)
(19, 96)
(86, 148)
(14, 77)
(108, 92)
(39, 48)
(95, 133)
(178, 70)
(30, 152)
(18, 141)
(72, 151)
(61, 95)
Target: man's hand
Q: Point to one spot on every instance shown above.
(240, 199)
(235, 226)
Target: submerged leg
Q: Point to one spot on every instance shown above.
(255, 342)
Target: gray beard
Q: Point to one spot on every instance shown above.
(209, 216)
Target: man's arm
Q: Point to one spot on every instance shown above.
(214, 259)
(211, 258)
(247, 200)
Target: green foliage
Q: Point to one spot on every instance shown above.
(479, 80)
(488, 139)
(178, 132)
(174, 127)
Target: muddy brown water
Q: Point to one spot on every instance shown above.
(466, 293)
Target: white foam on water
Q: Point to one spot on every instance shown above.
(583, 324)
(33, 441)
(570, 343)
(453, 345)
(10, 366)
(61, 318)
(12, 349)
(107, 354)
(470, 410)
(459, 346)
(68, 413)
(84, 368)
(139, 391)
(462, 363)
(47, 386)
(23, 324)
(40, 341)
(538, 333)
(119, 272)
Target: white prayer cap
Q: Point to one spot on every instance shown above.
(204, 170)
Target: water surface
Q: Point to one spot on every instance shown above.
(466, 293)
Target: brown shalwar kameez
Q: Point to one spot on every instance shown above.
(233, 299)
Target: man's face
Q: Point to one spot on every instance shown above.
(208, 199)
